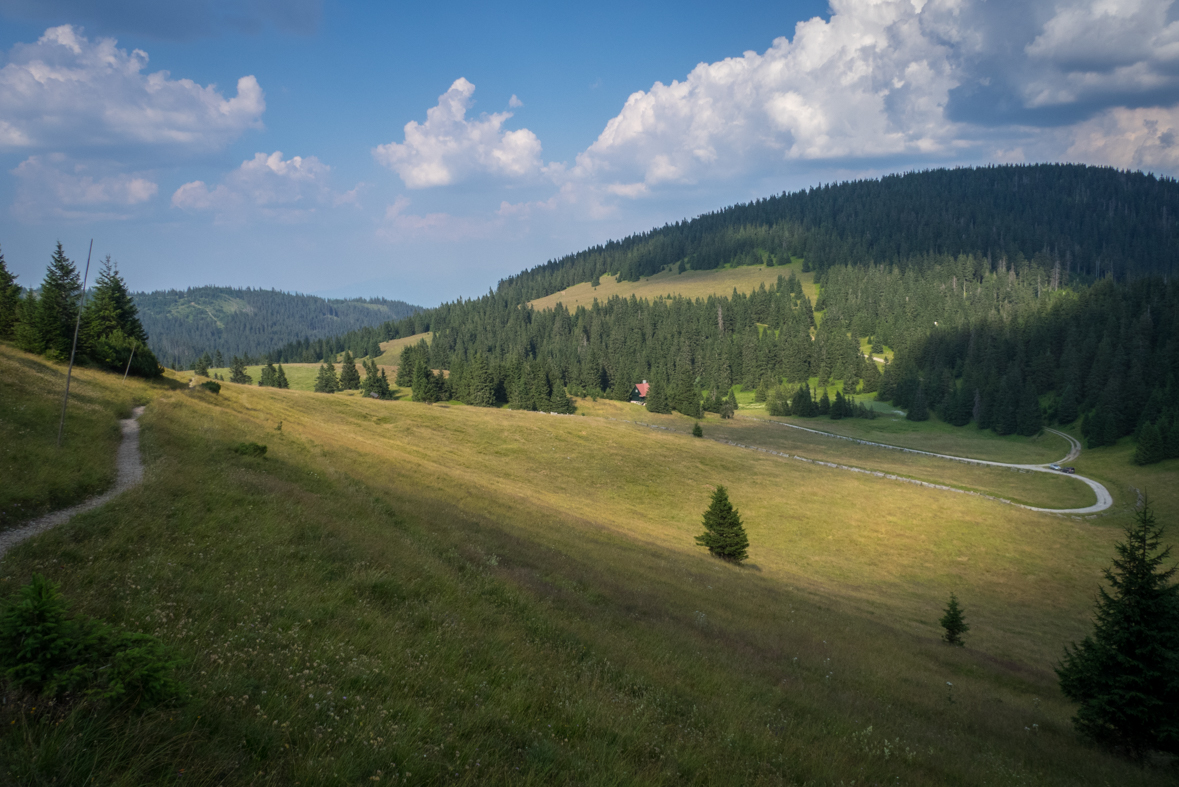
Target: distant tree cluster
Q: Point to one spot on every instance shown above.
(44, 321)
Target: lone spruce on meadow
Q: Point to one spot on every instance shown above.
(1124, 674)
(954, 622)
(724, 535)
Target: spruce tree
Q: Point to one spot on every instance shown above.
(9, 300)
(480, 384)
(954, 622)
(326, 381)
(1028, 419)
(201, 367)
(1150, 446)
(237, 374)
(280, 378)
(919, 410)
(349, 376)
(1125, 676)
(268, 378)
(1066, 409)
(696, 430)
(57, 306)
(657, 397)
(724, 535)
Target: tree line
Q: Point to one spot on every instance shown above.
(45, 320)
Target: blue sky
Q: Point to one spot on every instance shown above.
(424, 152)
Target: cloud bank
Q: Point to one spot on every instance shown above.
(68, 92)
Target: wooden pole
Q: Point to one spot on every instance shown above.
(128, 369)
(77, 327)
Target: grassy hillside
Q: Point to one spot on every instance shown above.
(37, 475)
(417, 594)
(689, 284)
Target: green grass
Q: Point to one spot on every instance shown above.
(515, 598)
(1045, 490)
(37, 475)
(300, 376)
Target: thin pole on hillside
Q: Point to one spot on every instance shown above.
(73, 350)
(128, 369)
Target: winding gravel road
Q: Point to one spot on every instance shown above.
(130, 467)
(1104, 499)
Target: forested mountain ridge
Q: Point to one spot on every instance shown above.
(183, 324)
(1094, 221)
(1005, 340)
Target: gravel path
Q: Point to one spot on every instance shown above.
(1104, 499)
(130, 475)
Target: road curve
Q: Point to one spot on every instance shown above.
(1104, 499)
(130, 474)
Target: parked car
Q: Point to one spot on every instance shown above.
(1053, 467)
(1069, 470)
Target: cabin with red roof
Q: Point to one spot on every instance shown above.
(638, 394)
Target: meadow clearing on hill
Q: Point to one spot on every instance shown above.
(689, 284)
(430, 594)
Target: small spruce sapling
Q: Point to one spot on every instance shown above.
(954, 622)
(724, 535)
(696, 430)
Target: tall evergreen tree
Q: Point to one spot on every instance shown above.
(268, 378)
(657, 397)
(1125, 676)
(919, 410)
(724, 534)
(58, 304)
(349, 376)
(9, 300)
(1150, 447)
(201, 367)
(237, 373)
(280, 378)
(326, 381)
(1028, 419)
(480, 383)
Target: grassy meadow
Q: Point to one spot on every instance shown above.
(39, 477)
(689, 284)
(300, 376)
(411, 594)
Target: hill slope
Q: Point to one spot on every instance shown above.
(1094, 221)
(183, 324)
(472, 596)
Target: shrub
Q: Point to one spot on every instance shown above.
(45, 650)
(211, 385)
(249, 449)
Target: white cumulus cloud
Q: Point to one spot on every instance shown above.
(449, 148)
(872, 81)
(67, 92)
(284, 189)
(55, 186)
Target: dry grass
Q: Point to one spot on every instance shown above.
(509, 597)
(689, 284)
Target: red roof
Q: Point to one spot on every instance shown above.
(643, 387)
